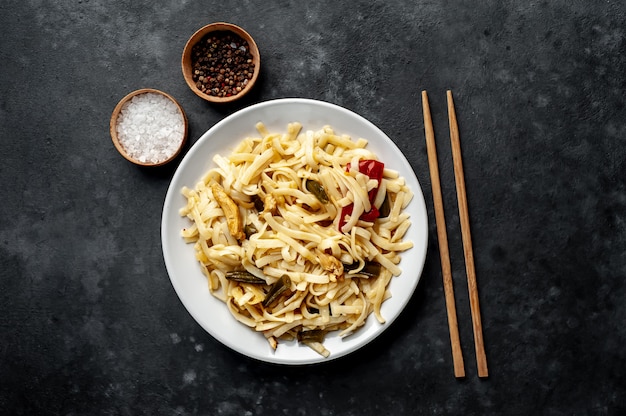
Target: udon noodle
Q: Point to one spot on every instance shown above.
(299, 232)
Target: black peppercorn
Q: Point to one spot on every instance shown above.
(222, 64)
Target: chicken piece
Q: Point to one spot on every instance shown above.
(270, 204)
(231, 211)
(330, 263)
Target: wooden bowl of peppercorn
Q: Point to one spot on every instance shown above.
(221, 62)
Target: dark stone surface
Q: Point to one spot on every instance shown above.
(89, 322)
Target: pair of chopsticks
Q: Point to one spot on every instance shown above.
(457, 353)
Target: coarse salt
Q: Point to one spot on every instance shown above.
(150, 127)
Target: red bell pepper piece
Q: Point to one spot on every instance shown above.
(374, 170)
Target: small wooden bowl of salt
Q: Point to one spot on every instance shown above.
(148, 127)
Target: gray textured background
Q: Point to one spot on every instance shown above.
(89, 322)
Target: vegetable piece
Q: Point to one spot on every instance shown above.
(244, 277)
(374, 169)
(276, 290)
(385, 207)
(370, 269)
(258, 203)
(231, 211)
(313, 335)
(318, 190)
(250, 229)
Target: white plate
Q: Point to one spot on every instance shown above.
(191, 285)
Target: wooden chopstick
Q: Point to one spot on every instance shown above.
(457, 353)
(479, 345)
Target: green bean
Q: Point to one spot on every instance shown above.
(370, 269)
(244, 276)
(276, 290)
(314, 335)
(318, 190)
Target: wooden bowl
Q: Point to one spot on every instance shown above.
(187, 64)
(119, 145)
